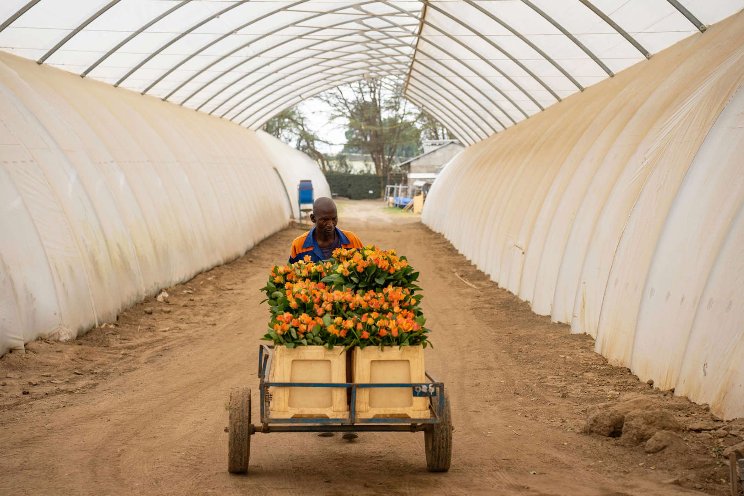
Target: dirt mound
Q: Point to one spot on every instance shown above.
(642, 425)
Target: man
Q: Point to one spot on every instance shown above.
(319, 243)
(325, 237)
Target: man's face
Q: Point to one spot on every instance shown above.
(325, 219)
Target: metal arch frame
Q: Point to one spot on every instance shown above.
(422, 16)
(361, 32)
(434, 84)
(268, 84)
(302, 77)
(190, 30)
(129, 38)
(446, 67)
(327, 86)
(215, 41)
(266, 113)
(589, 5)
(462, 101)
(214, 62)
(487, 62)
(245, 45)
(424, 107)
(270, 109)
(429, 88)
(527, 42)
(289, 40)
(75, 31)
(676, 4)
(479, 90)
(444, 114)
(570, 36)
(322, 80)
(201, 23)
(497, 47)
(454, 129)
(488, 112)
(18, 13)
(291, 98)
(453, 110)
(309, 47)
(689, 15)
(479, 104)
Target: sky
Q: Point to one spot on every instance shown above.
(318, 115)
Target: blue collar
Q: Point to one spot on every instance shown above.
(310, 241)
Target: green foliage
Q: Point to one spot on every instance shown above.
(354, 186)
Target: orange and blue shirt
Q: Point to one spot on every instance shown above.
(306, 245)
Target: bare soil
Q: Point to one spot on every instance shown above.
(139, 405)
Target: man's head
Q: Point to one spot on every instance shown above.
(324, 215)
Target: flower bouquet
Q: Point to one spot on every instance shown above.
(360, 297)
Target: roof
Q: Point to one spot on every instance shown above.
(477, 66)
(430, 152)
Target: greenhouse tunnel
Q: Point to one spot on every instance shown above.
(603, 180)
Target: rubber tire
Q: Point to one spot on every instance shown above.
(239, 442)
(438, 443)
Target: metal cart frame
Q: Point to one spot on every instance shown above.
(437, 428)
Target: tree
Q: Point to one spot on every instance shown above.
(291, 127)
(432, 129)
(379, 121)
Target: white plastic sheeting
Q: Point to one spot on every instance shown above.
(106, 196)
(477, 66)
(293, 166)
(621, 212)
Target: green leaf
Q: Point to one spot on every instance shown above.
(327, 320)
(276, 294)
(290, 345)
(380, 280)
(293, 333)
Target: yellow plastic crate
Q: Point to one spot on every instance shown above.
(392, 364)
(308, 364)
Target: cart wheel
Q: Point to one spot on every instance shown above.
(239, 443)
(438, 442)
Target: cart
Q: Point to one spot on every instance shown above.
(437, 428)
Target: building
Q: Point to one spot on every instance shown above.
(422, 170)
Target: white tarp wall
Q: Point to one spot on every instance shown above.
(621, 212)
(107, 196)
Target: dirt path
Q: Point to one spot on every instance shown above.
(139, 406)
